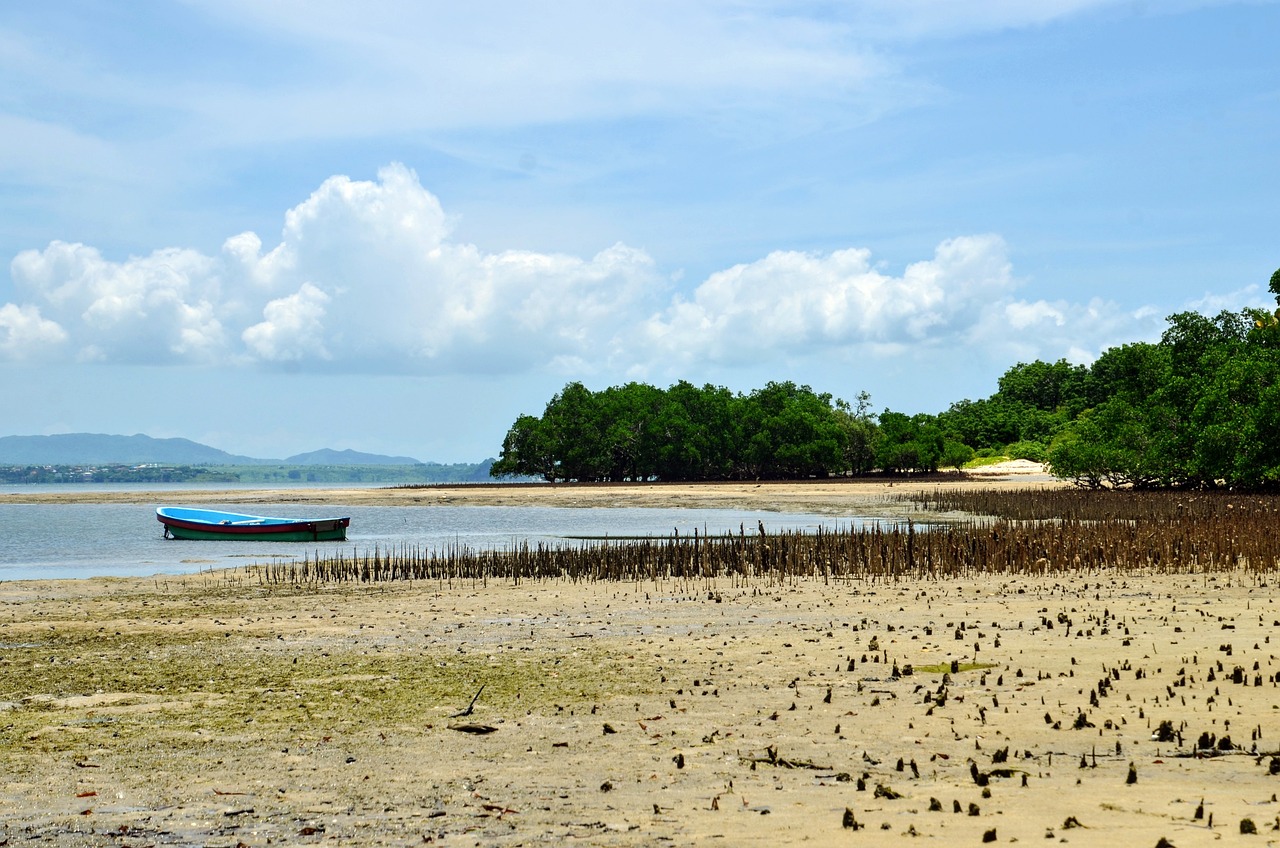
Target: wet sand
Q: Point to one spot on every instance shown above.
(855, 496)
(212, 710)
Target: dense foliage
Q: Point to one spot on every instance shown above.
(639, 432)
(1198, 409)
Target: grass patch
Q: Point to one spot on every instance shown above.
(206, 685)
(138, 679)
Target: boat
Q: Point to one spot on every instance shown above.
(184, 523)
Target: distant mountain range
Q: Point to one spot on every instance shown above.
(98, 449)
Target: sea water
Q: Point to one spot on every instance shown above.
(43, 541)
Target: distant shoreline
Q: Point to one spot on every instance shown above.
(830, 497)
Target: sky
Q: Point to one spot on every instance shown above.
(394, 226)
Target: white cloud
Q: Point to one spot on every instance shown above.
(293, 329)
(24, 334)
(243, 255)
(1020, 331)
(794, 303)
(133, 311)
(1022, 316)
(1233, 301)
(366, 278)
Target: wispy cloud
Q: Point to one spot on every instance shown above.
(143, 113)
(895, 21)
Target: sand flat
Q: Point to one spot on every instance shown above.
(727, 711)
(839, 496)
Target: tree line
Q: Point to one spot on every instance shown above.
(1200, 408)
(782, 431)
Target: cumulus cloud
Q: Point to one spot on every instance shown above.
(126, 311)
(792, 302)
(366, 277)
(24, 334)
(293, 329)
(962, 302)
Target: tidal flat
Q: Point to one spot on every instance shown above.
(1099, 708)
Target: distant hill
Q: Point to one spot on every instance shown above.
(100, 449)
(328, 456)
(92, 448)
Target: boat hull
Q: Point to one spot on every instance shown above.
(197, 524)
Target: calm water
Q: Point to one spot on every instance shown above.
(89, 540)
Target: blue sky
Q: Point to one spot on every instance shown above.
(395, 226)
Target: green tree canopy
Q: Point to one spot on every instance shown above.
(909, 443)
(639, 432)
(1198, 409)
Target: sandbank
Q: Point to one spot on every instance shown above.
(851, 496)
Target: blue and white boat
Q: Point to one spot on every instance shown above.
(185, 523)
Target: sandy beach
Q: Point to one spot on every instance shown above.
(214, 710)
